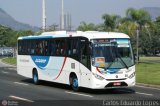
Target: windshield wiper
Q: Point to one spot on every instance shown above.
(117, 53)
(121, 58)
(123, 62)
(108, 66)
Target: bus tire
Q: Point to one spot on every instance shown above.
(35, 77)
(74, 83)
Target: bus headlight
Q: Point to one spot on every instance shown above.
(98, 76)
(132, 75)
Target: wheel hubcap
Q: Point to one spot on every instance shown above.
(75, 83)
(35, 78)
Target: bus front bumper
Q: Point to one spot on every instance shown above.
(104, 84)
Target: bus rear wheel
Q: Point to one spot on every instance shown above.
(35, 77)
(74, 83)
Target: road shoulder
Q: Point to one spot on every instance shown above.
(148, 85)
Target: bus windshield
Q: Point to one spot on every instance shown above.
(112, 53)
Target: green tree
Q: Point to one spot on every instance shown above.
(5, 33)
(12, 40)
(86, 26)
(156, 36)
(128, 28)
(141, 17)
(133, 18)
(111, 22)
(137, 19)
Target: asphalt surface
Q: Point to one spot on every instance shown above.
(18, 90)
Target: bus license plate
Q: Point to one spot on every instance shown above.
(117, 83)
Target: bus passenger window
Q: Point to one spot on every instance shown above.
(84, 54)
(69, 47)
(63, 48)
(38, 48)
(75, 48)
(45, 48)
(53, 49)
(58, 48)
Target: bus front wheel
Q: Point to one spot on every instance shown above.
(35, 77)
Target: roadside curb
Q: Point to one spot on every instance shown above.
(148, 85)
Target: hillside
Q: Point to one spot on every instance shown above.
(7, 20)
(153, 11)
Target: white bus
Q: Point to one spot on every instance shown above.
(96, 60)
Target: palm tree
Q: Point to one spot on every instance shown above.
(111, 22)
(128, 28)
(86, 26)
(140, 17)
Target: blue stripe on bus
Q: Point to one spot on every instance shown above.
(40, 61)
(112, 70)
(42, 36)
(36, 37)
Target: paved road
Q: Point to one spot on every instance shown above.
(19, 90)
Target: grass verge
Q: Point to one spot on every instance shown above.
(10, 60)
(148, 70)
(150, 59)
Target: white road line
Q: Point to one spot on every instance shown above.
(78, 94)
(144, 93)
(19, 98)
(147, 87)
(5, 72)
(20, 83)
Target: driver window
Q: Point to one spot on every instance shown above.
(84, 54)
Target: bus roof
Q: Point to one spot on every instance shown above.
(87, 34)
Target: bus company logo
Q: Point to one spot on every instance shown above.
(4, 102)
(40, 60)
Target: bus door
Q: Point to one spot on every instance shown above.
(85, 63)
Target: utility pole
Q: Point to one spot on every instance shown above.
(43, 15)
(137, 45)
(62, 16)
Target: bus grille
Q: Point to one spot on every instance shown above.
(116, 79)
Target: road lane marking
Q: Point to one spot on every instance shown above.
(147, 87)
(78, 94)
(19, 98)
(20, 83)
(144, 93)
(5, 72)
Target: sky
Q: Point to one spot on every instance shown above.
(90, 11)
